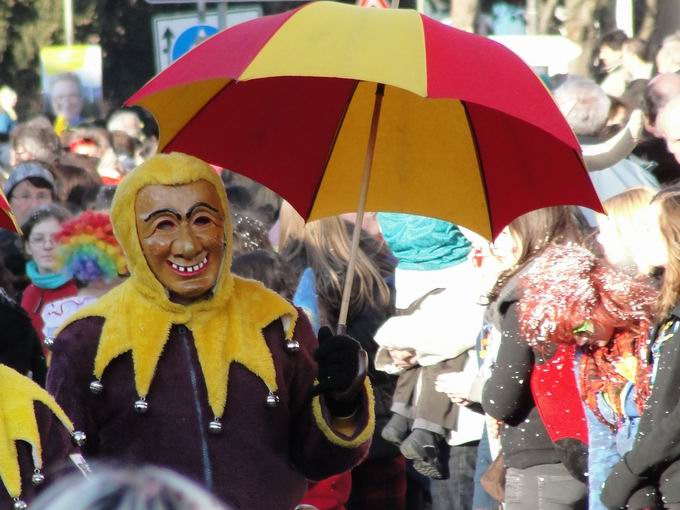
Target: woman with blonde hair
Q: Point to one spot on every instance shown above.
(623, 231)
(327, 244)
(654, 461)
(319, 253)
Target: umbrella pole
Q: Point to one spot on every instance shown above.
(356, 235)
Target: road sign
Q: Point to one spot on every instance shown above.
(175, 34)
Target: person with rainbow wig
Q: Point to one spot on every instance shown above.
(88, 251)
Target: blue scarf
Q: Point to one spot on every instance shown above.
(423, 244)
(45, 281)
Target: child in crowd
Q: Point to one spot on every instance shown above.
(49, 282)
(437, 291)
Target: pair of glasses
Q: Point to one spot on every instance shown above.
(43, 241)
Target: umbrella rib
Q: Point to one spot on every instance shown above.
(197, 112)
(480, 166)
(331, 149)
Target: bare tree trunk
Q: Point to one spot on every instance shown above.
(532, 17)
(546, 12)
(649, 20)
(580, 28)
(464, 14)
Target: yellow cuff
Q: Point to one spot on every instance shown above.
(340, 429)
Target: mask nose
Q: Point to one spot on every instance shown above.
(186, 245)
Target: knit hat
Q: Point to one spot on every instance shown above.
(423, 244)
(23, 171)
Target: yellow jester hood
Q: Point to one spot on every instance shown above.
(138, 314)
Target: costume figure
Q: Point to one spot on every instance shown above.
(188, 367)
(35, 438)
(571, 298)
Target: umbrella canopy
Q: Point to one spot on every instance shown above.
(467, 132)
(7, 219)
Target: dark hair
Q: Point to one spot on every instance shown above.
(634, 95)
(239, 197)
(70, 177)
(614, 39)
(43, 213)
(268, 267)
(84, 197)
(38, 182)
(8, 282)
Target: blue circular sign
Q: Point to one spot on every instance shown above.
(191, 37)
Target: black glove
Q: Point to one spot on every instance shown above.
(343, 365)
(619, 486)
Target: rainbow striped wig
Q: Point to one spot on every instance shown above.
(88, 250)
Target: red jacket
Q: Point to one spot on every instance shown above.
(35, 299)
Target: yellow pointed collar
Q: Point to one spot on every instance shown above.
(138, 315)
(18, 423)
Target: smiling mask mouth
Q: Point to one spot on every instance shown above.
(189, 270)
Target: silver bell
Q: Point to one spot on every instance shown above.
(19, 504)
(141, 406)
(272, 399)
(292, 346)
(49, 342)
(215, 426)
(79, 438)
(37, 477)
(96, 387)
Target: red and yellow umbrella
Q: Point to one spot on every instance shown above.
(467, 132)
(7, 219)
(339, 109)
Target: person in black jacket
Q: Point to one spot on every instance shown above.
(536, 476)
(20, 346)
(653, 465)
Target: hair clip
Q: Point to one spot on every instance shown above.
(585, 327)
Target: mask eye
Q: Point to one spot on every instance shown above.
(202, 221)
(165, 225)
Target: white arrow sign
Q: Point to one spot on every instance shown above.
(175, 34)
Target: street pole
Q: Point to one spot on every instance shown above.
(68, 22)
(200, 7)
(222, 15)
(532, 17)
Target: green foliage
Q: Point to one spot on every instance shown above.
(121, 27)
